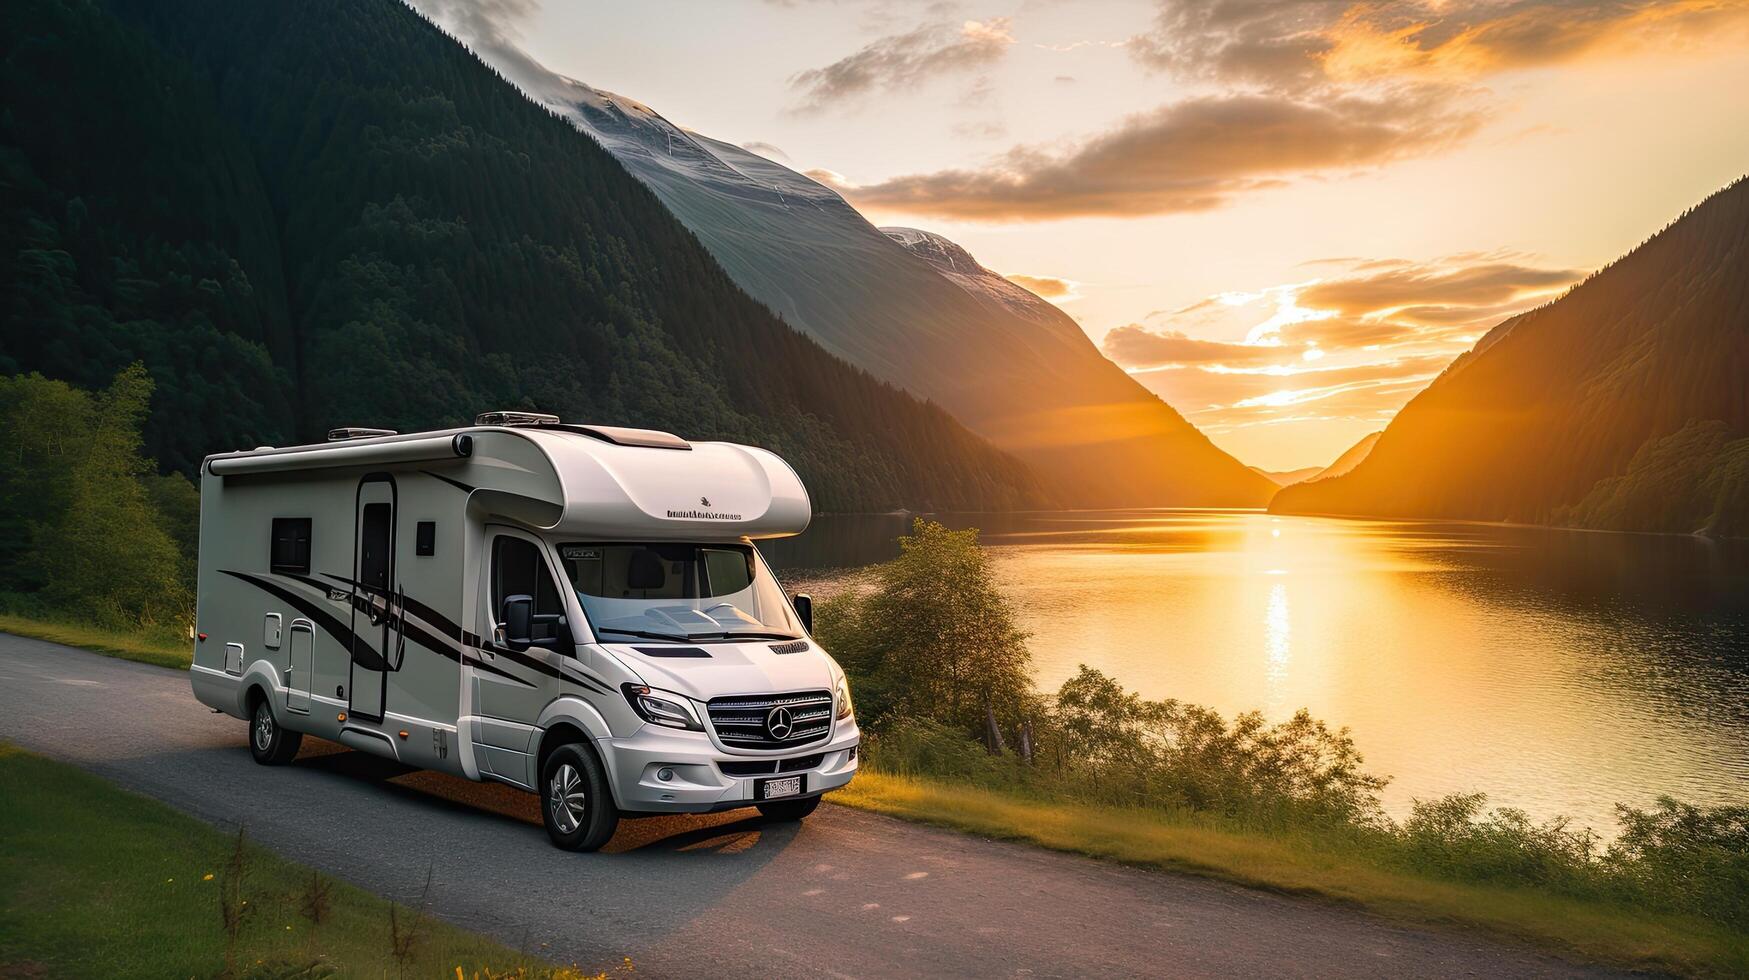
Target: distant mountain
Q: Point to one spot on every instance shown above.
(329, 212)
(1624, 404)
(1350, 458)
(1282, 478)
(918, 312)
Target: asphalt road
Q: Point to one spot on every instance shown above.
(845, 894)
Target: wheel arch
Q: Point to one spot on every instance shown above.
(570, 719)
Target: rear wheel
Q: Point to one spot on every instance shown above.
(788, 810)
(576, 804)
(270, 744)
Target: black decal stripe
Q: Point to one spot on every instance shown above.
(330, 623)
(342, 632)
(459, 485)
(488, 668)
(420, 609)
(584, 680)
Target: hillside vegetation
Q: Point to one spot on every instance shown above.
(1623, 405)
(300, 215)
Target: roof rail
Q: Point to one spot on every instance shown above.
(515, 418)
(354, 432)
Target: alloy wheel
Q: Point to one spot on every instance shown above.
(263, 727)
(568, 799)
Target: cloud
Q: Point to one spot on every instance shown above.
(1353, 345)
(902, 60)
(1439, 294)
(766, 150)
(1288, 89)
(1136, 346)
(1296, 45)
(1188, 156)
(1049, 287)
(987, 130)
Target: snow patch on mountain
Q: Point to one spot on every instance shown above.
(957, 264)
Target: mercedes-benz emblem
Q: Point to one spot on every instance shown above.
(704, 501)
(779, 724)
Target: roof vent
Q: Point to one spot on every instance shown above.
(620, 436)
(357, 432)
(515, 418)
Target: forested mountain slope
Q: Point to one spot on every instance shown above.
(1624, 404)
(917, 311)
(329, 212)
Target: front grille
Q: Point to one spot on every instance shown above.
(772, 767)
(742, 721)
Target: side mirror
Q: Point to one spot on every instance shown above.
(804, 604)
(518, 618)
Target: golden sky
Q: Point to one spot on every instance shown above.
(1284, 216)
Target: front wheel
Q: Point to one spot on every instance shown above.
(576, 805)
(270, 744)
(789, 810)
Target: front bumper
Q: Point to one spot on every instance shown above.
(698, 785)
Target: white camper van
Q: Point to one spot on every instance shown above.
(575, 610)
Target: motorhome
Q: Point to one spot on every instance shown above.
(578, 611)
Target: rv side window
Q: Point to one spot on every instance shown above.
(519, 569)
(291, 545)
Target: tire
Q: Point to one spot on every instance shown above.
(576, 803)
(269, 742)
(789, 810)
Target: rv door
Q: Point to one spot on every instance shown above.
(376, 613)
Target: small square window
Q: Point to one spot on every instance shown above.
(425, 541)
(291, 545)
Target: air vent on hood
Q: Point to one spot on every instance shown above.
(678, 652)
(795, 646)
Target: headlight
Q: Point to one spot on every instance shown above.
(842, 698)
(661, 707)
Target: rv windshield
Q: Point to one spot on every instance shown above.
(678, 592)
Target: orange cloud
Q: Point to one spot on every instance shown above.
(1048, 287)
(1293, 46)
(1188, 156)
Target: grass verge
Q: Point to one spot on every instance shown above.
(1309, 866)
(99, 882)
(161, 649)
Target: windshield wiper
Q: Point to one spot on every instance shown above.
(754, 635)
(648, 635)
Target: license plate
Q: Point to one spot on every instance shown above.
(773, 789)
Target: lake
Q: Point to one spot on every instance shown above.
(1560, 672)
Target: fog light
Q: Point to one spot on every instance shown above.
(665, 774)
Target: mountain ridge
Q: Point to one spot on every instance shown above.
(1620, 405)
(1042, 390)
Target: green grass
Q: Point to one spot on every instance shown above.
(99, 882)
(1310, 866)
(161, 648)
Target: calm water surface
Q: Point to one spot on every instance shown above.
(1560, 672)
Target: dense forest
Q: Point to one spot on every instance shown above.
(299, 215)
(1623, 405)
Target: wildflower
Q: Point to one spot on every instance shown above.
(209, 877)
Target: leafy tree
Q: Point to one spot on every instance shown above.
(935, 639)
(44, 428)
(109, 557)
